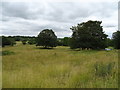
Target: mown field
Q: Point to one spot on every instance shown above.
(28, 66)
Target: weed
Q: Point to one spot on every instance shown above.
(7, 52)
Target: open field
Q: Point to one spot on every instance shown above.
(61, 67)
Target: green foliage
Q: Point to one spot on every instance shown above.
(47, 38)
(20, 38)
(116, 39)
(8, 41)
(32, 41)
(109, 42)
(110, 47)
(88, 35)
(63, 41)
(17, 38)
(6, 52)
(24, 42)
(103, 70)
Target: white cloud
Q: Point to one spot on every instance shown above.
(29, 18)
(60, 0)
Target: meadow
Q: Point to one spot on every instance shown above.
(28, 66)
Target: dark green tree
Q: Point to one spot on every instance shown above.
(59, 42)
(109, 42)
(64, 41)
(116, 39)
(17, 38)
(88, 35)
(32, 41)
(47, 38)
(8, 41)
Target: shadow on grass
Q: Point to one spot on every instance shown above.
(6, 52)
(76, 51)
(50, 48)
(86, 50)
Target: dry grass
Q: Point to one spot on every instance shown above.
(61, 67)
(0, 68)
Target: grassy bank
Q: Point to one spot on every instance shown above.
(61, 67)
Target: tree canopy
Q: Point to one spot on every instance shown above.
(47, 38)
(88, 35)
(116, 39)
(7, 41)
(24, 41)
(63, 41)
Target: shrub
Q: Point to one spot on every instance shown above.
(24, 42)
(103, 70)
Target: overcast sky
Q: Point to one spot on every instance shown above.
(29, 18)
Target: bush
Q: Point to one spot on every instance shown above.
(24, 42)
(103, 70)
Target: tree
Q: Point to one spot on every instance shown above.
(31, 41)
(47, 38)
(63, 41)
(7, 41)
(17, 38)
(88, 35)
(116, 39)
(109, 42)
(59, 42)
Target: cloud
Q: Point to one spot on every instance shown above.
(29, 18)
(61, 1)
(14, 10)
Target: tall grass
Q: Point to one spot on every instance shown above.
(0, 67)
(61, 67)
(103, 70)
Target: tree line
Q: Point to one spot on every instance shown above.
(88, 35)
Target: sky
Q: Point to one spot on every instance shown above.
(30, 17)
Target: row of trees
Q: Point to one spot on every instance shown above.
(7, 41)
(85, 35)
(11, 40)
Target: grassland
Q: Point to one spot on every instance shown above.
(61, 67)
(0, 69)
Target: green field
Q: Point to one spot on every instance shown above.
(29, 66)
